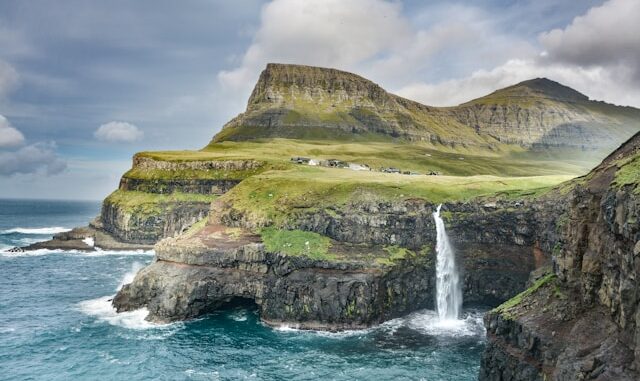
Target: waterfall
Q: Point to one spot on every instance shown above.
(448, 291)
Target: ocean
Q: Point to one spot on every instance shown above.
(56, 323)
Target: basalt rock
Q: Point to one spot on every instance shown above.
(497, 242)
(585, 322)
(200, 273)
(144, 227)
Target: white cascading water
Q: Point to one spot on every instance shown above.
(448, 291)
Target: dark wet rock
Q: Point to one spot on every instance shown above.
(584, 323)
(195, 275)
(76, 240)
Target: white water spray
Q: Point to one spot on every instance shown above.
(448, 291)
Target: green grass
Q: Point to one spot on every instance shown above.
(195, 228)
(629, 172)
(419, 157)
(505, 309)
(152, 203)
(396, 253)
(273, 196)
(296, 243)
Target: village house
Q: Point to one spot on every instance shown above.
(300, 160)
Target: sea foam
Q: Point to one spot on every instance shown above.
(102, 309)
(39, 231)
(4, 252)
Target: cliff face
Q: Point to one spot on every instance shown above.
(294, 101)
(198, 273)
(498, 244)
(541, 113)
(158, 199)
(583, 321)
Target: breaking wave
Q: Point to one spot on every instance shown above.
(102, 309)
(4, 252)
(38, 231)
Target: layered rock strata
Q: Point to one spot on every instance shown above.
(198, 274)
(497, 244)
(583, 321)
(295, 101)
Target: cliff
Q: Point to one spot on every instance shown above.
(582, 320)
(340, 267)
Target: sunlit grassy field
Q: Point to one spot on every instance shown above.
(273, 195)
(422, 158)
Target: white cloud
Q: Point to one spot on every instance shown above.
(9, 136)
(598, 54)
(449, 53)
(34, 158)
(595, 82)
(605, 35)
(118, 132)
(332, 33)
(372, 38)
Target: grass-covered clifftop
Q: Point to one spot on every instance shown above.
(270, 198)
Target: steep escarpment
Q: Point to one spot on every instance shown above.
(214, 265)
(161, 198)
(498, 242)
(582, 320)
(294, 101)
(378, 262)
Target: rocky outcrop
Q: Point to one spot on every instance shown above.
(168, 186)
(146, 226)
(584, 322)
(199, 273)
(295, 101)
(153, 217)
(88, 238)
(497, 242)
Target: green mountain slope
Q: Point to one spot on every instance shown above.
(303, 102)
(541, 113)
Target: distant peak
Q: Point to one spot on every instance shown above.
(542, 87)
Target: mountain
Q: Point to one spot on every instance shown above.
(542, 113)
(304, 102)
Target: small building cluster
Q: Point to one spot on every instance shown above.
(335, 163)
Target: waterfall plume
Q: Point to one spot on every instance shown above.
(448, 291)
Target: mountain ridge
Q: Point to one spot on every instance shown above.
(307, 102)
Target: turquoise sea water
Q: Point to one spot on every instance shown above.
(56, 324)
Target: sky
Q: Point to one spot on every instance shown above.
(84, 84)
